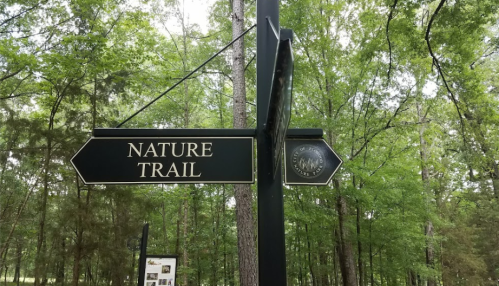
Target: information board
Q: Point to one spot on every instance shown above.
(160, 270)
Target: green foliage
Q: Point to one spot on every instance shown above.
(363, 73)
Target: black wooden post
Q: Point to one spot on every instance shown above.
(143, 254)
(271, 249)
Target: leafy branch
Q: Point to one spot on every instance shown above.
(390, 17)
(436, 62)
(387, 126)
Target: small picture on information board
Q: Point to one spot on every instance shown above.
(160, 270)
(152, 276)
(165, 269)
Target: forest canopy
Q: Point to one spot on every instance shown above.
(407, 93)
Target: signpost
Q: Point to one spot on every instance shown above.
(143, 156)
(271, 247)
(309, 162)
(140, 160)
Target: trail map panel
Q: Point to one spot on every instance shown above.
(132, 160)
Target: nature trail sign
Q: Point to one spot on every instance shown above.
(139, 156)
(141, 160)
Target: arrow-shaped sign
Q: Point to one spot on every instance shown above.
(133, 160)
(309, 162)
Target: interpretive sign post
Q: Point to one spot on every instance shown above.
(143, 254)
(154, 156)
(271, 248)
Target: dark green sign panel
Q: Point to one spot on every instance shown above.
(309, 162)
(280, 99)
(133, 160)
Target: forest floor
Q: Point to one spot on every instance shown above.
(24, 282)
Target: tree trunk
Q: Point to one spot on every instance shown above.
(163, 227)
(347, 263)
(40, 252)
(245, 236)
(310, 266)
(494, 174)
(371, 258)
(298, 254)
(5, 247)
(185, 254)
(78, 248)
(223, 236)
(232, 268)
(381, 276)
(359, 247)
(61, 264)
(336, 258)
(11, 140)
(412, 279)
(118, 271)
(6, 271)
(17, 269)
(243, 195)
(430, 259)
(179, 218)
(324, 273)
(216, 243)
(195, 209)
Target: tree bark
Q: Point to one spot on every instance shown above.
(347, 262)
(412, 279)
(336, 258)
(5, 247)
(359, 247)
(61, 263)
(430, 258)
(243, 195)
(225, 266)
(163, 227)
(19, 254)
(324, 273)
(245, 236)
(371, 258)
(179, 218)
(40, 253)
(215, 266)
(310, 266)
(185, 254)
(80, 230)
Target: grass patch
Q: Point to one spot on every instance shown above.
(10, 283)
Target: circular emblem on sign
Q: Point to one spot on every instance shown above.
(307, 161)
